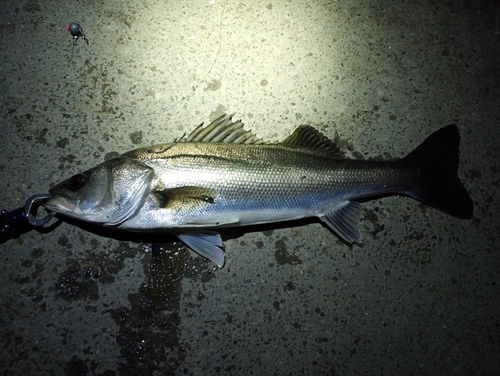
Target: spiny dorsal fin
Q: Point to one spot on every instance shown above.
(223, 129)
(309, 137)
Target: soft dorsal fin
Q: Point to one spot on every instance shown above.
(223, 129)
(309, 137)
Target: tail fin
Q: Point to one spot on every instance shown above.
(438, 185)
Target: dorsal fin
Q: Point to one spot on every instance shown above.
(309, 137)
(223, 129)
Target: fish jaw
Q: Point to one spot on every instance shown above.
(60, 205)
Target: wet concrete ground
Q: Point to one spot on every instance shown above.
(419, 296)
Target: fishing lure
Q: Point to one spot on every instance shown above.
(76, 32)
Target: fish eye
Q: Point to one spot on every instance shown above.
(77, 181)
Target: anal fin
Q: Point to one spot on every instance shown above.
(344, 220)
(206, 243)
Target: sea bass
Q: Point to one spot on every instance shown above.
(223, 176)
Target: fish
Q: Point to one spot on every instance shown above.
(224, 176)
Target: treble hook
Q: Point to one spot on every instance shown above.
(28, 207)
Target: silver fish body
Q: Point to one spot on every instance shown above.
(222, 176)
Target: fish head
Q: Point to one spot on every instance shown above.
(107, 194)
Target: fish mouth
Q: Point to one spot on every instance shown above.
(59, 204)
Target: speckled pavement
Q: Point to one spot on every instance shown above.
(420, 296)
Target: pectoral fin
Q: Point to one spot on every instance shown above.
(206, 243)
(344, 220)
(184, 198)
